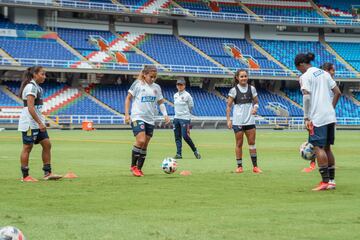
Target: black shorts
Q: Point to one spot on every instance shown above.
(239, 128)
(141, 126)
(34, 136)
(323, 136)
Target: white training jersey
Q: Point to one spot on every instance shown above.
(26, 121)
(242, 112)
(145, 98)
(183, 104)
(319, 83)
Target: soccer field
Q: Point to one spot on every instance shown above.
(106, 202)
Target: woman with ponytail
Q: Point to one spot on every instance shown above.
(32, 123)
(144, 94)
(319, 115)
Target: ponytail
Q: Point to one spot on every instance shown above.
(304, 58)
(28, 75)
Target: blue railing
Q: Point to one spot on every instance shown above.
(164, 68)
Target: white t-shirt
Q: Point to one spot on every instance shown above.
(319, 83)
(26, 121)
(242, 112)
(145, 98)
(183, 103)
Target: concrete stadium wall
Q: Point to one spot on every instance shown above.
(145, 28)
(207, 29)
(23, 15)
(270, 33)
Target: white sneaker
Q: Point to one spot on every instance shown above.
(332, 185)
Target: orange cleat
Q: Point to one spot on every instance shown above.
(321, 187)
(51, 176)
(141, 172)
(257, 170)
(29, 179)
(239, 170)
(311, 168)
(135, 171)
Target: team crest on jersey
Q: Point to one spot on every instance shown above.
(182, 98)
(143, 90)
(155, 91)
(134, 123)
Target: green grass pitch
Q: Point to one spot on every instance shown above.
(106, 202)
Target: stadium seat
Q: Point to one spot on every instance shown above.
(348, 51)
(284, 52)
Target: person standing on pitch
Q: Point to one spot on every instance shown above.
(183, 103)
(244, 98)
(32, 123)
(330, 68)
(144, 94)
(319, 115)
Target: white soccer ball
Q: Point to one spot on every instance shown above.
(307, 151)
(169, 165)
(11, 233)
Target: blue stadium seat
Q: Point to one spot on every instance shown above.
(167, 49)
(284, 52)
(83, 106)
(214, 47)
(344, 108)
(35, 48)
(349, 51)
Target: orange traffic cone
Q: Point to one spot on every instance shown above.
(70, 175)
(185, 173)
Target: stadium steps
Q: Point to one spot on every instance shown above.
(60, 99)
(120, 5)
(11, 95)
(84, 63)
(353, 99)
(268, 55)
(176, 5)
(321, 12)
(133, 44)
(282, 94)
(17, 109)
(100, 103)
(217, 93)
(249, 11)
(193, 47)
(9, 58)
(338, 57)
(152, 6)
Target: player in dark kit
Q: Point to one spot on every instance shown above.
(319, 115)
(244, 98)
(32, 123)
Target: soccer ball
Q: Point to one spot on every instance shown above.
(169, 165)
(11, 233)
(307, 151)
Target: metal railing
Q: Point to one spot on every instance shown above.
(53, 63)
(286, 122)
(225, 16)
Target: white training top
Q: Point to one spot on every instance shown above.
(319, 83)
(26, 121)
(145, 98)
(183, 104)
(242, 112)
